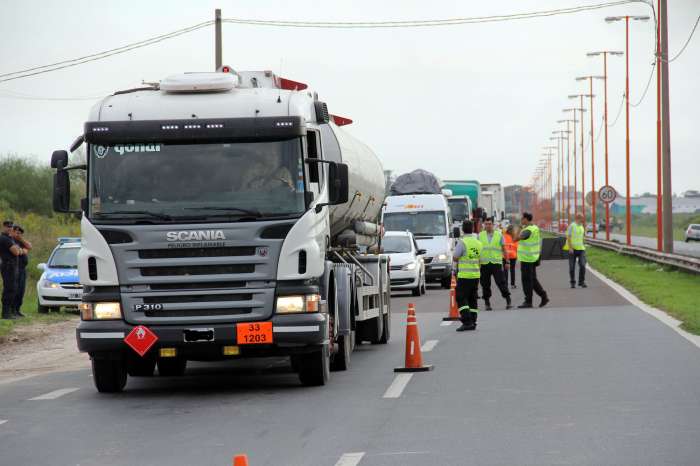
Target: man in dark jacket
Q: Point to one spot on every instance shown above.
(22, 262)
(9, 251)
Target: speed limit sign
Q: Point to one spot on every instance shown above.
(607, 194)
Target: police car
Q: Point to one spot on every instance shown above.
(59, 285)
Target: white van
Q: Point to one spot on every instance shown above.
(428, 217)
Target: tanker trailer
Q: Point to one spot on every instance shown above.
(226, 216)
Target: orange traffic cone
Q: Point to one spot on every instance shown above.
(454, 309)
(414, 357)
(240, 460)
(453, 283)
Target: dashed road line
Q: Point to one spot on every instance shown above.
(55, 394)
(350, 459)
(396, 388)
(2, 421)
(428, 345)
(446, 323)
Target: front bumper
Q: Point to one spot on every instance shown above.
(404, 279)
(59, 296)
(437, 272)
(292, 334)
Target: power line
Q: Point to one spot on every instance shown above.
(644, 94)
(619, 111)
(427, 23)
(99, 56)
(686, 42)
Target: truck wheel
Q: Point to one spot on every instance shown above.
(42, 309)
(137, 366)
(171, 367)
(341, 359)
(315, 367)
(386, 334)
(109, 375)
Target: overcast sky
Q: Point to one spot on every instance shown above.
(467, 102)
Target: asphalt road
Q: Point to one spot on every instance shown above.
(691, 248)
(589, 380)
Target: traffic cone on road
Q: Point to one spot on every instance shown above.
(414, 357)
(240, 460)
(454, 309)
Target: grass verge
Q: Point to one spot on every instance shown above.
(29, 309)
(665, 288)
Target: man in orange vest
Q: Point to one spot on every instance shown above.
(511, 256)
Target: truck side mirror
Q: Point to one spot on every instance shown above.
(61, 191)
(338, 184)
(59, 159)
(421, 252)
(455, 232)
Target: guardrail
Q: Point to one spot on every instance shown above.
(687, 263)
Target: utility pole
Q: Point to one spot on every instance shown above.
(217, 39)
(666, 128)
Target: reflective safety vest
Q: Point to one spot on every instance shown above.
(468, 265)
(511, 246)
(529, 249)
(492, 253)
(577, 234)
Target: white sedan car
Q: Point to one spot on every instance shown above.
(406, 259)
(59, 285)
(692, 233)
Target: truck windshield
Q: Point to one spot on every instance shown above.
(429, 223)
(458, 209)
(162, 182)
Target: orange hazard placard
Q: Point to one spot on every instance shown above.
(254, 333)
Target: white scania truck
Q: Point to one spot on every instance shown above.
(224, 218)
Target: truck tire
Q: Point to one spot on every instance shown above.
(386, 334)
(315, 367)
(341, 359)
(171, 367)
(137, 366)
(109, 375)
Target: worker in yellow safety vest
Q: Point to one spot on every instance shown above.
(529, 246)
(492, 254)
(577, 251)
(467, 258)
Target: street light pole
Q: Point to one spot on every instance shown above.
(605, 54)
(581, 110)
(628, 202)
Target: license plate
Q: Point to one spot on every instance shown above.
(75, 296)
(254, 333)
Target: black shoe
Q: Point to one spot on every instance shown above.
(544, 301)
(573, 285)
(508, 303)
(525, 306)
(9, 316)
(583, 285)
(464, 328)
(19, 314)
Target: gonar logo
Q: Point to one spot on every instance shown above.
(197, 235)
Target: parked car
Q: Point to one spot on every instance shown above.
(692, 232)
(590, 227)
(406, 260)
(59, 285)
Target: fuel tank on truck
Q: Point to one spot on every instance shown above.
(365, 176)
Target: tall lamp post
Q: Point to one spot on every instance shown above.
(628, 203)
(583, 155)
(605, 54)
(593, 192)
(574, 110)
(568, 169)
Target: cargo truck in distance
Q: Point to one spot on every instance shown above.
(224, 218)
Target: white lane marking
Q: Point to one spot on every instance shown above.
(88, 335)
(301, 328)
(446, 323)
(397, 386)
(652, 311)
(55, 394)
(2, 421)
(350, 459)
(428, 345)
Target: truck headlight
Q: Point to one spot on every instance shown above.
(46, 283)
(298, 304)
(409, 266)
(442, 257)
(100, 311)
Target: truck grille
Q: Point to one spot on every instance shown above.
(195, 286)
(211, 298)
(196, 252)
(196, 270)
(198, 312)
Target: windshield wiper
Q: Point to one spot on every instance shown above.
(144, 213)
(257, 213)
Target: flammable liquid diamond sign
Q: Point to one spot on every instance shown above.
(141, 339)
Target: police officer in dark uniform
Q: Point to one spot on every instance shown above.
(22, 262)
(9, 251)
